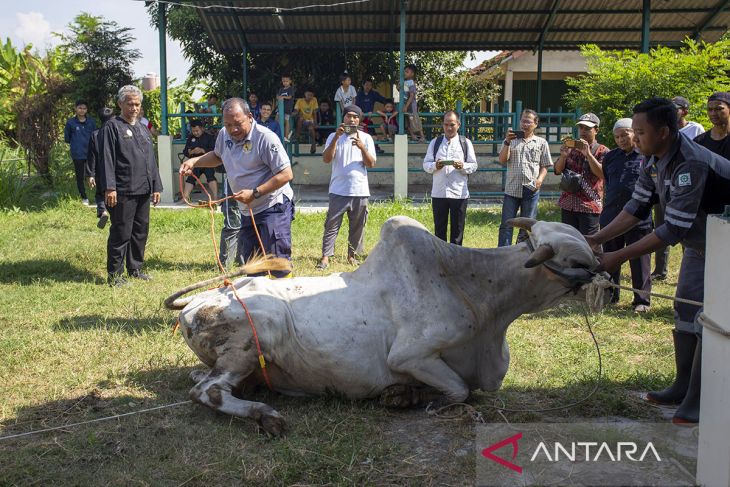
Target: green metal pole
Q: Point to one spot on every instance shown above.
(402, 78)
(539, 78)
(645, 23)
(162, 28)
(245, 73)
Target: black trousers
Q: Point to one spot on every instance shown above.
(585, 223)
(128, 233)
(640, 266)
(79, 169)
(443, 208)
(661, 256)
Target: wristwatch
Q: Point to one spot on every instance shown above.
(256, 193)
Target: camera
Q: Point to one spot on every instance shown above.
(520, 134)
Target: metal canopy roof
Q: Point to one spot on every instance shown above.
(457, 24)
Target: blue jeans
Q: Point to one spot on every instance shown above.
(528, 209)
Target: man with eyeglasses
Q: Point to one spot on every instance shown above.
(259, 172)
(450, 158)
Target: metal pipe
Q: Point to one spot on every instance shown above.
(162, 28)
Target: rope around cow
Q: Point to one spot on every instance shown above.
(211, 204)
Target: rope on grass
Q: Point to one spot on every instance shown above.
(97, 420)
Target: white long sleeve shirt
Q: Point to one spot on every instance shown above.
(449, 182)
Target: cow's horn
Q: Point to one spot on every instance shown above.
(541, 254)
(524, 223)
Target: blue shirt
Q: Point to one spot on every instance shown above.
(77, 134)
(366, 102)
(272, 125)
(620, 172)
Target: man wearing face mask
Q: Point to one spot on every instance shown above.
(259, 172)
(621, 168)
(685, 172)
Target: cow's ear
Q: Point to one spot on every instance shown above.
(541, 254)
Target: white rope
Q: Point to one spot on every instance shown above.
(97, 420)
(270, 7)
(603, 282)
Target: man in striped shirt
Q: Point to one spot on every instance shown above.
(683, 169)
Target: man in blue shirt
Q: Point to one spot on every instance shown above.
(366, 99)
(268, 122)
(77, 132)
(621, 168)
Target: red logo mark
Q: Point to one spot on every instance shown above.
(512, 440)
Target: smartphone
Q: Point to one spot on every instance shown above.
(350, 129)
(447, 162)
(519, 133)
(569, 143)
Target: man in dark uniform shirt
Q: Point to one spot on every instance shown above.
(93, 169)
(685, 172)
(621, 168)
(131, 177)
(716, 139)
(199, 142)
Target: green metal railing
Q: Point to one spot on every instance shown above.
(482, 128)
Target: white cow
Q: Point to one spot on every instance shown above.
(419, 320)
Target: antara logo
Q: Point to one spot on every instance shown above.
(592, 452)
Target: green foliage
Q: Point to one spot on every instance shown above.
(97, 57)
(618, 80)
(17, 190)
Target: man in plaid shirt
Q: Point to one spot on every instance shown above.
(527, 159)
(582, 209)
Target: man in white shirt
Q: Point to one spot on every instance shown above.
(450, 158)
(351, 152)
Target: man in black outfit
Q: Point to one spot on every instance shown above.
(717, 138)
(94, 169)
(131, 177)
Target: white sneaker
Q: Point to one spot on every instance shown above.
(85, 202)
(641, 308)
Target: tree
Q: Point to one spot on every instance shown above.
(98, 59)
(31, 91)
(618, 80)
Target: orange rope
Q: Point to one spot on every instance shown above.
(227, 282)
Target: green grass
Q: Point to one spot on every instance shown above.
(72, 349)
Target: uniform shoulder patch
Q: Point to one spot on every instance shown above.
(684, 179)
(273, 148)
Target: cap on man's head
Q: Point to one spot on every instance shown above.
(623, 123)
(589, 120)
(722, 96)
(681, 102)
(353, 109)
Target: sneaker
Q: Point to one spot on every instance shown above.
(138, 274)
(85, 201)
(116, 280)
(103, 218)
(641, 308)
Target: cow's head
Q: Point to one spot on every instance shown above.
(562, 250)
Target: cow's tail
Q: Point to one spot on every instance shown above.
(255, 265)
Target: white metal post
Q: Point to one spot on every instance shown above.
(164, 161)
(713, 453)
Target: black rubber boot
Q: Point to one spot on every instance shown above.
(684, 352)
(689, 411)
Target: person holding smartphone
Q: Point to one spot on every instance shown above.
(351, 152)
(527, 158)
(450, 158)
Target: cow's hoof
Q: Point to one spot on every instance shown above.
(198, 374)
(273, 424)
